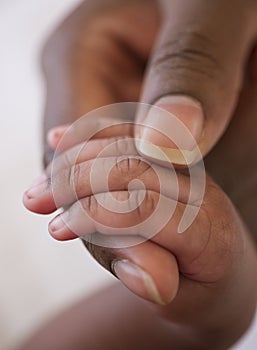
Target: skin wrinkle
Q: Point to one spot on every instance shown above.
(97, 250)
(140, 209)
(182, 50)
(194, 85)
(185, 55)
(129, 168)
(130, 165)
(74, 175)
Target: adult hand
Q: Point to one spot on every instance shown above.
(198, 55)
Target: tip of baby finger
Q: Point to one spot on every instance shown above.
(63, 237)
(59, 231)
(54, 135)
(37, 206)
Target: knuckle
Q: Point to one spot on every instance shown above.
(66, 159)
(115, 142)
(75, 177)
(131, 167)
(90, 205)
(124, 165)
(189, 52)
(147, 206)
(150, 201)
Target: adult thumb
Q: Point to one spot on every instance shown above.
(196, 73)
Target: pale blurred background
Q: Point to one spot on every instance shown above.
(38, 276)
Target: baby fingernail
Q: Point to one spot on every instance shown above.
(137, 280)
(54, 135)
(56, 224)
(37, 188)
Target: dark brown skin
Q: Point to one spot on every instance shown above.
(203, 50)
(86, 63)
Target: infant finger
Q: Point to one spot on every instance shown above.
(106, 147)
(114, 214)
(64, 137)
(105, 175)
(54, 135)
(124, 219)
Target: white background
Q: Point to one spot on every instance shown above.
(38, 276)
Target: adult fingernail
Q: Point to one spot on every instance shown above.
(137, 280)
(38, 187)
(172, 136)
